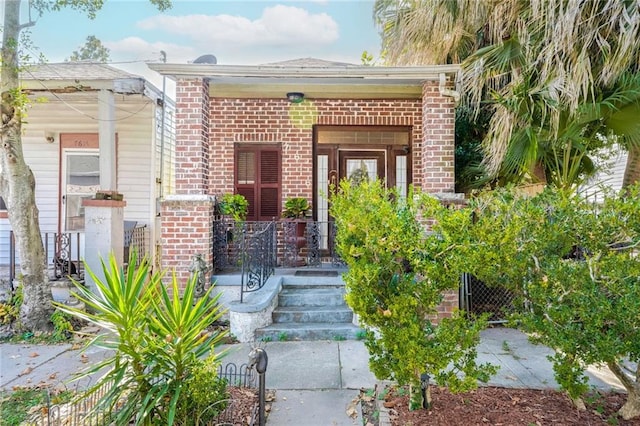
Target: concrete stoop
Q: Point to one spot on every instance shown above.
(310, 308)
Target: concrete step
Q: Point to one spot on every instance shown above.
(293, 281)
(320, 296)
(308, 331)
(305, 314)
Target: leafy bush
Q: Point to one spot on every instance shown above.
(62, 327)
(575, 267)
(295, 208)
(205, 394)
(158, 338)
(234, 205)
(9, 312)
(396, 278)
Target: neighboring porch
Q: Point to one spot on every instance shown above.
(65, 252)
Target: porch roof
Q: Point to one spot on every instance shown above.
(316, 79)
(78, 77)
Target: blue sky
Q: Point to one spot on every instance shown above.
(236, 32)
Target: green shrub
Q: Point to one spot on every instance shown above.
(234, 205)
(574, 266)
(396, 277)
(158, 337)
(62, 327)
(205, 394)
(295, 208)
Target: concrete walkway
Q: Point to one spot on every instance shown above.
(316, 382)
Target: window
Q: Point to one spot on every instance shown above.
(3, 206)
(257, 177)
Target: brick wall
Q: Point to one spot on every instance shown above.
(208, 128)
(186, 223)
(277, 120)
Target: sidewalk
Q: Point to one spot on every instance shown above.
(315, 381)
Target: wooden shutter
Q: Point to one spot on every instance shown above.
(258, 178)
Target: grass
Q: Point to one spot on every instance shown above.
(339, 338)
(17, 406)
(361, 334)
(282, 336)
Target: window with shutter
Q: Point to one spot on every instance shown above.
(258, 178)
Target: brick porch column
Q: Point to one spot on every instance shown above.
(187, 215)
(438, 151)
(438, 140)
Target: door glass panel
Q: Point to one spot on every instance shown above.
(322, 208)
(82, 181)
(401, 176)
(361, 165)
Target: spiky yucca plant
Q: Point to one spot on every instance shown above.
(158, 336)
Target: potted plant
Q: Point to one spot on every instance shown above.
(234, 205)
(296, 208)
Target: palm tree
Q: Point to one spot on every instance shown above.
(551, 71)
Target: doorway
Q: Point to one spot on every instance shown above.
(80, 180)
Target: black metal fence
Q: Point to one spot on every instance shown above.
(64, 251)
(258, 258)
(477, 298)
(80, 412)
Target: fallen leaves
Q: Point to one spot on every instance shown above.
(26, 371)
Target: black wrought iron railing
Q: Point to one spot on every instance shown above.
(297, 243)
(64, 251)
(258, 257)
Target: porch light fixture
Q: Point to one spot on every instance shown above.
(295, 97)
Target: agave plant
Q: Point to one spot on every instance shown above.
(159, 336)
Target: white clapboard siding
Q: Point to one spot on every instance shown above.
(78, 113)
(610, 175)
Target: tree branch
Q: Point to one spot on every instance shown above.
(28, 24)
(629, 384)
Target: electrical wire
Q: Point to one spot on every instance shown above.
(55, 95)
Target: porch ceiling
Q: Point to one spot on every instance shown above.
(315, 90)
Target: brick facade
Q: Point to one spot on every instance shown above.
(278, 121)
(208, 129)
(187, 216)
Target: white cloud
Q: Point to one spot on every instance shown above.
(279, 25)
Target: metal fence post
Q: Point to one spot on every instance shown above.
(258, 358)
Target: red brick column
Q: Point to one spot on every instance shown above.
(438, 140)
(192, 137)
(187, 216)
(438, 150)
(186, 223)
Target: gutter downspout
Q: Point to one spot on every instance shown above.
(444, 91)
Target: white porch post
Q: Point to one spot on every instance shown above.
(107, 137)
(104, 218)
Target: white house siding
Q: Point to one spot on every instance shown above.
(610, 175)
(77, 113)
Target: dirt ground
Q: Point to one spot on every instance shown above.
(498, 406)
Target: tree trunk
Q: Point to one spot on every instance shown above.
(17, 184)
(631, 408)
